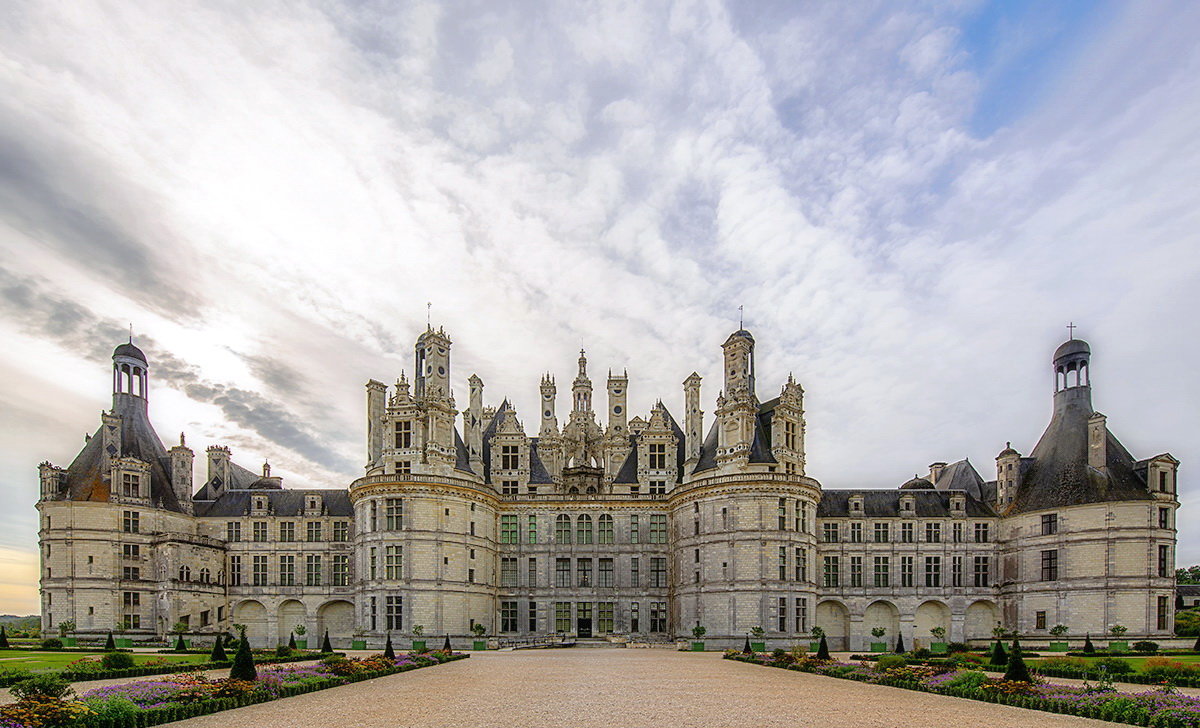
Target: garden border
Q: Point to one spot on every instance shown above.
(90, 675)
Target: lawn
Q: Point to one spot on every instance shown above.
(25, 660)
(1136, 661)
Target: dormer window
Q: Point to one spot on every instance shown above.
(403, 434)
(260, 504)
(958, 504)
(658, 456)
(510, 458)
(313, 503)
(856, 504)
(130, 485)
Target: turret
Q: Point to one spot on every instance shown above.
(693, 419)
(737, 406)
(473, 424)
(218, 467)
(182, 458)
(739, 364)
(549, 426)
(1008, 474)
(376, 400)
(131, 385)
(581, 389)
(618, 390)
(1097, 439)
(432, 353)
(1072, 374)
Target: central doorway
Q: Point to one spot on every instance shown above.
(583, 619)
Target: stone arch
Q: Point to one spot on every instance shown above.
(253, 615)
(336, 617)
(291, 613)
(834, 618)
(929, 615)
(882, 613)
(982, 618)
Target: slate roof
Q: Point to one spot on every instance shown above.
(136, 439)
(886, 504)
(1058, 474)
(283, 502)
(760, 449)
(130, 351)
(962, 476)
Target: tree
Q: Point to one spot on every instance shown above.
(388, 651)
(243, 662)
(1017, 671)
(3, 637)
(1058, 630)
(1188, 575)
(325, 646)
(218, 651)
(1088, 647)
(823, 650)
(999, 656)
(1187, 623)
(110, 644)
(698, 631)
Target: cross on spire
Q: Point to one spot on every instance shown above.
(1071, 330)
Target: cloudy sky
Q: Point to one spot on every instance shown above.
(911, 201)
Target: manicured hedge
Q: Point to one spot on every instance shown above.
(86, 675)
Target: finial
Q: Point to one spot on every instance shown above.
(266, 469)
(130, 333)
(1071, 330)
(741, 318)
(182, 441)
(429, 315)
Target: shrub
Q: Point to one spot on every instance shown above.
(1160, 668)
(180, 645)
(243, 662)
(218, 651)
(38, 710)
(109, 643)
(1113, 665)
(1145, 646)
(887, 662)
(116, 708)
(389, 651)
(954, 647)
(117, 660)
(283, 651)
(1088, 647)
(52, 643)
(1017, 672)
(899, 644)
(823, 649)
(47, 686)
(325, 646)
(999, 656)
(1064, 663)
(967, 679)
(292, 641)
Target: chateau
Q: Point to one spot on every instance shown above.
(636, 528)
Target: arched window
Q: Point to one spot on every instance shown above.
(185, 573)
(583, 529)
(562, 528)
(606, 529)
(205, 576)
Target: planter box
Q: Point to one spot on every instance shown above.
(878, 647)
(1059, 646)
(302, 644)
(814, 646)
(479, 645)
(418, 645)
(1118, 646)
(697, 647)
(68, 641)
(358, 645)
(938, 648)
(123, 641)
(758, 646)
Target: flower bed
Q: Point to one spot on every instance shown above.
(186, 695)
(1162, 708)
(89, 668)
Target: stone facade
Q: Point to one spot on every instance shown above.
(634, 528)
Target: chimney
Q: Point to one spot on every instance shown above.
(218, 467)
(935, 472)
(1098, 442)
(181, 474)
(376, 401)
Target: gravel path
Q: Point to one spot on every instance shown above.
(590, 688)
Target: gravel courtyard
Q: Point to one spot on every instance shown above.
(585, 688)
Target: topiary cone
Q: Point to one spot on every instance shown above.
(109, 644)
(446, 645)
(823, 650)
(325, 646)
(292, 641)
(388, 651)
(1088, 647)
(179, 644)
(243, 662)
(1017, 671)
(1195, 647)
(4, 637)
(746, 649)
(999, 656)
(218, 651)
(899, 645)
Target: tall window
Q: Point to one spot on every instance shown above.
(562, 617)
(831, 577)
(508, 616)
(830, 533)
(634, 535)
(801, 614)
(1163, 614)
(341, 570)
(982, 534)
(258, 531)
(635, 575)
(393, 612)
(374, 562)
(658, 571)
(403, 434)
(906, 571)
(906, 532)
(1049, 524)
(606, 531)
(583, 570)
(604, 617)
(533, 616)
(287, 531)
(393, 512)
(956, 571)
(531, 529)
(882, 571)
(856, 571)
(287, 570)
(341, 530)
(658, 456)
(510, 458)
(882, 532)
(508, 529)
(562, 528)
(789, 434)
(783, 554)
(1164, 560)
(658, 616)
(314, 530)
(958, 533)
(801, 564)
(508, 571)
(635, 617)
(258, 571)
(233, 531)
(531, 576)
(983, 568)
(856, 532)
(781, 514)
(129, 485)
(933, 532)
(562, 573)
(1164, 517)
(312, 570)
(781, 614)
(235, 571)
(583, 529)
(606, 573)
(393, 562)
(1050, 565)
(658, 528)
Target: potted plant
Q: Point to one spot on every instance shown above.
(939, 640)
(301, 644)
(480, 643)
(698, 638)
(817, 633)
(758, 642)
(878, 645)
(1059, 630)
(359, 641)
(64, 630)
(418, 645)
(1117, 644)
